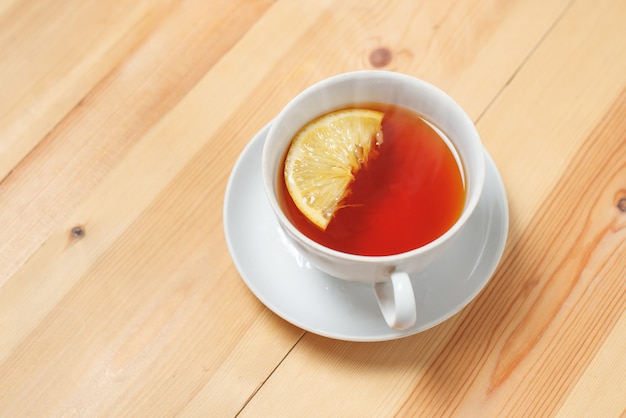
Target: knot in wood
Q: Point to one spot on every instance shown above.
(78, 231)
(621, 204)
(380, 57)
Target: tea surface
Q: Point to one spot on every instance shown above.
(408, 194)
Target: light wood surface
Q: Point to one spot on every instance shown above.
(120, 122)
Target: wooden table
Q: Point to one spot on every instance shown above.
(120, 123)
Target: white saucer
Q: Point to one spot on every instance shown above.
(287, 284)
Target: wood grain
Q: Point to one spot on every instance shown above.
(116, 113)
(51, 70)
(124, 119)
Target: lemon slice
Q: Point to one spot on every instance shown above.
(324, 156)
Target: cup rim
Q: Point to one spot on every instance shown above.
(470, 205)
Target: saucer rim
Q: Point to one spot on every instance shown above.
(391, 334)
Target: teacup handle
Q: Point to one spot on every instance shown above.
(397, 301)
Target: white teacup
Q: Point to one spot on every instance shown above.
(389, 274)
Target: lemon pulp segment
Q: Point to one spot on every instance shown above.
(324, 156)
